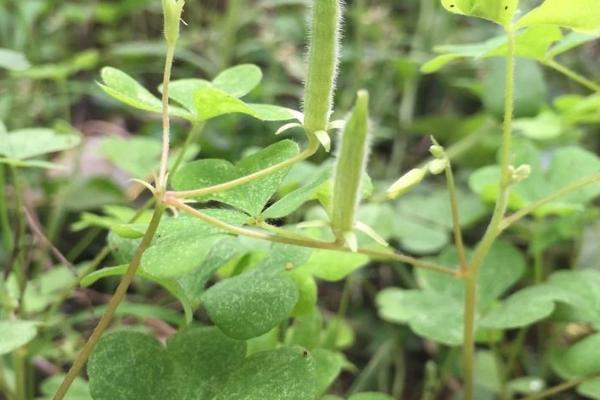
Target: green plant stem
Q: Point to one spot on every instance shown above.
(560, 388)
(18, 260)
(114, 302)
(313, 146)
(573, 187)
(582, 80)
(458, 237)
(316, 244)
(4, 389)
(492, 230)
(20, 358)
(166, 122)
(4, 219)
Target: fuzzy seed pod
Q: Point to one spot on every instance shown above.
(353, 150)
(322, 64)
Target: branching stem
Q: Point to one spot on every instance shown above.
(493, 228)
(114, 302)
(306, 242)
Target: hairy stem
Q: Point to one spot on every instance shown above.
(166, 121)
(307, 242)
(313, 146)
(114, 302)
(569, 73)
(458, 237)
(4, 219)
(322, 64)
(493, 228)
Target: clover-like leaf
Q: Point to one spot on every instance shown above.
(239, 80)
(581, 15)
(195, 364)
(287, 373)
(24, 144)
(16, 333)
(566, 165)
(124, 88)
(331, 265)
(534, 43)
(251, 304)
(499, 11)
(436, 311)
(181, 244)
(579, 290)
(250, 197)
(170, 285)
(293, 200)
(13, 60)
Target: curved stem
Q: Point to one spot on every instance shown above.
(560, 388)
(458, 238)
(569, 73)
(313, 146)
(114, 302)
(577, 185)
(4, 219)
(492, 230)
(164, 158)
(307, 242)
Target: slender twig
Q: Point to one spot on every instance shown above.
(573, 187)
(560, 388)
(4, 219)
(458, 237)
(313, 146)
(492, 231)
(36, 229)
(114, 302)
(166, 121)
(569, 73)
(307, 242)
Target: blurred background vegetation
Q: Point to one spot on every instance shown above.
(65, 43)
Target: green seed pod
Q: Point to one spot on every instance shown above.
(350, 167)
(172, 10)
(322, 64)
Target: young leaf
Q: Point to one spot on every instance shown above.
(499, 11)
(287, 373)
(13, 60)
(211, 102)
(251, 304)
(127, 90)
(181, 244)
(293, 200)
(331, 265)
(16, 333)
(238, 81)
(250, 197)
(33, 142)
(580, 15)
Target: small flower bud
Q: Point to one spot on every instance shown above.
(520, 173)
(406, 182)
(436, 149)
(437, 166)
(172, 10)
